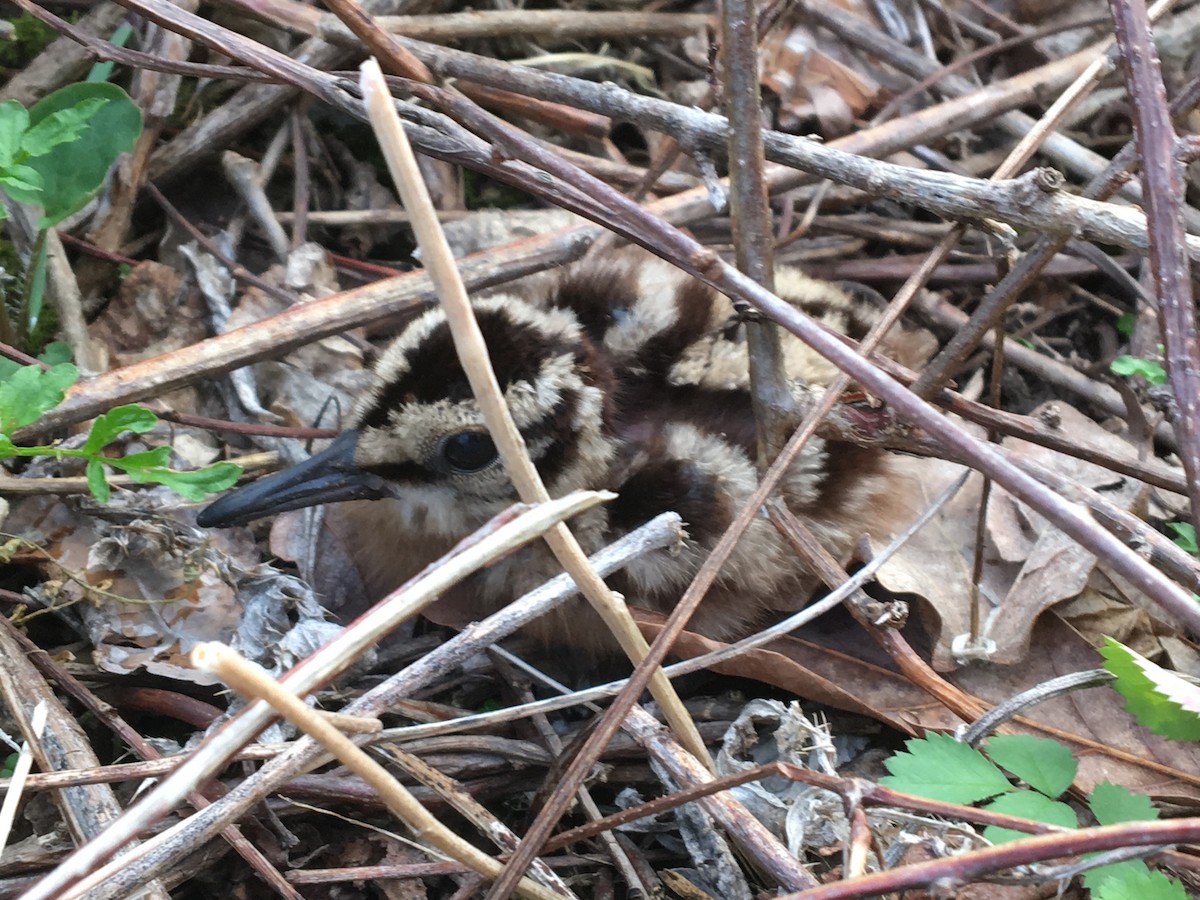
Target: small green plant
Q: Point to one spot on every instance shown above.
(57, 152)
(1184, 536)
(28, 391)
(55, 155)
(941, 768)
(10, 763)
(1134, 365)
(1025, 776)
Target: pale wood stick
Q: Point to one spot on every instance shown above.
(254, 683)
(473, 354)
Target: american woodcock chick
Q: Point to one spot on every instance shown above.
(622, 373)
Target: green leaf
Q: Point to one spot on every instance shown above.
(1135, 365)
(7, 448)
(14, 120)
(1111, 804)
(35, 284)
(146, 459)
(1125, 323)
(96, 481)
(119, 419)
(1159, 699)
(1028, 805)
(61, 127)
(102, 70)
(1185, 536)
(1043, 764)
(1138, 883)
(22, 183)
(194, 484)
(1094, 879)
(56, 352)
(74, 171)
(941, 768)
(29, 392)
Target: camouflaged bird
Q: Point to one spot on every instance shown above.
(621, 373)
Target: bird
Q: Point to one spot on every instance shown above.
(622, 373)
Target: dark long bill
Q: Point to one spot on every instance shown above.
(329, 476)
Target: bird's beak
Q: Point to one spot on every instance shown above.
(329, 476)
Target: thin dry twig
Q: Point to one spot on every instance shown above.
(962, 869)
(71, 878)
(20, 772)
(252, 682)
(750, 209)
(1156, 144)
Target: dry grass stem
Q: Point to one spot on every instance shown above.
(252, 682)
(473, 355)
(16, 782)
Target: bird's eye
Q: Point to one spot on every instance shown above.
(468, 451)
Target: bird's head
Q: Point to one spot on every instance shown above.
(420, 436)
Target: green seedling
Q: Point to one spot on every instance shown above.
(1134, 365)
(55, 155)
(1026, 776)
(26, 392)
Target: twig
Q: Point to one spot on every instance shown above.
(1032, 263)
(964, 868)
(662, 532)
(538, 25)
(71, 878)
(20, 772)
(234, 835)
(245, 176)
(87, 811)
(1063, 151)
(299, 325)
(162, 850)
(458, 797)
(751, 211)
(253, 683)
(1156, 142)
(1031, 202)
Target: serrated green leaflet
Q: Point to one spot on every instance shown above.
(1027, 805)
(1111, 803)
(1156, 697)
(941, 768)
(1043, 764)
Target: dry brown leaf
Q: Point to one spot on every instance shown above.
(1056, 567)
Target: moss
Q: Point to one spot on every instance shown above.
(30, 37)
(481, 192)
